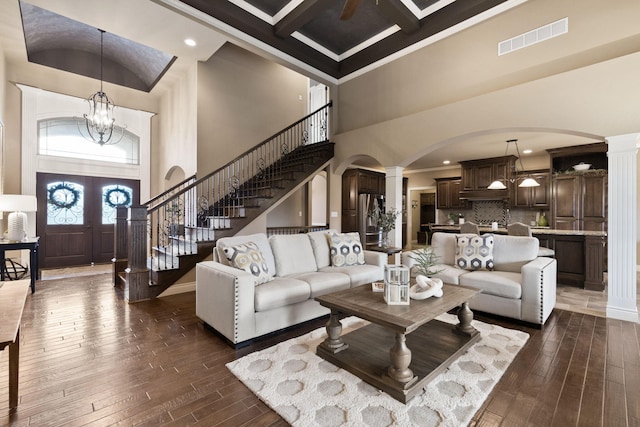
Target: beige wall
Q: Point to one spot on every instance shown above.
(242, 100)
(177, 126)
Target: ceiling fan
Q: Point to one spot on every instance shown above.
(349, 9)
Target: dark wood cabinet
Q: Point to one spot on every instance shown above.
(355, 182)
(534, 197)
(479, 174)
(595, 203)
(448, 193)
(580, 202)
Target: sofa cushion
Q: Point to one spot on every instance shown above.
(325, 282)
(320, 244)
(280, 292)
(260, 239)
(474, 252)
(248, 257)
(346, 249)
(358, 274)
(499, 283)
(293, 254)
(510, 253)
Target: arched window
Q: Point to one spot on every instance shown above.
(60, 137)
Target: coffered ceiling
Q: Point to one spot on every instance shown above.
(317, 32)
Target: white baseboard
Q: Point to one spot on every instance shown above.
(180, 288)
(621, 313)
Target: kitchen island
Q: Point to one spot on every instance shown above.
(580, 254)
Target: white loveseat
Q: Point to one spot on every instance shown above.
(232, 302)
(521, 285)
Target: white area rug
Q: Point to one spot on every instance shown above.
(308, 391)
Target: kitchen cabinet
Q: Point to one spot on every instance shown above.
(580, 202)
(479, 174)
(534, 197)
(354, 183)
(448, 193)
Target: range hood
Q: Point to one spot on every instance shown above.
(485, 194)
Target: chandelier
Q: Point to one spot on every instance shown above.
(99, 122)
(499, 184)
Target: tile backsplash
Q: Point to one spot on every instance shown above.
(487, 211)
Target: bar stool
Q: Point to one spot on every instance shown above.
(520, 229)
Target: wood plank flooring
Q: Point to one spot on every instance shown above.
(89, 358)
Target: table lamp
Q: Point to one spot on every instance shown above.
(17, 204)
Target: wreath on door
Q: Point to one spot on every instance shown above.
(63, 196)
(117, 197)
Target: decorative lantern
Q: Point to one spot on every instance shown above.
(396, 284)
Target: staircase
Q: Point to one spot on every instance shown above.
(183, 223)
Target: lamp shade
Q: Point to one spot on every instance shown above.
(497, 185)
(18, 203)
(529, 182)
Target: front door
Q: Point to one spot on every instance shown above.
(76, 216)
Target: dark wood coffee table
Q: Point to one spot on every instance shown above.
(380, 353)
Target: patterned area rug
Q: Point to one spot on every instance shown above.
(308, 391)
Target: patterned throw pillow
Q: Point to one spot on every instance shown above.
(475, 252)
(248, 257)
(346, 249)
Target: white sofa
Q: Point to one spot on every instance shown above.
(232, 302)
(521, 285)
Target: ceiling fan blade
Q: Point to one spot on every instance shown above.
(349, 9)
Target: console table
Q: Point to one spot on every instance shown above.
(11, 245)
(13, 296)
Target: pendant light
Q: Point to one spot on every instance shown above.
(99, 122)
(526, 182)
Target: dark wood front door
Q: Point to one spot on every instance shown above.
(75, 217)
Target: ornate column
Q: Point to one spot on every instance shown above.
(622, 233)
(120, 244)
(393, 199)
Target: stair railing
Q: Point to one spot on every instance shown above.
(198, 209)
(170, 192)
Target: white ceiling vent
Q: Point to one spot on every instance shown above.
(534, 36)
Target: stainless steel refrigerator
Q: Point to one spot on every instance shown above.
(369, 233)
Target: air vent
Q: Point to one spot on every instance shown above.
(538, 35)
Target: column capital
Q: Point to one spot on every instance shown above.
(623, 143)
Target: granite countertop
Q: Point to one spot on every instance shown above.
(534, 230)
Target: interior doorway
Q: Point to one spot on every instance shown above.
(76, 216)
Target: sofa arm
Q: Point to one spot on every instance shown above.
(538, 289)
(225, 300)
(375, 258)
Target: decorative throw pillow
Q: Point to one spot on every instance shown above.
(346, 249)
(248, 257)
(475, 252)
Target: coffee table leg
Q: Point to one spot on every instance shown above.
(334, 342)
(465, 316)
(400, 360)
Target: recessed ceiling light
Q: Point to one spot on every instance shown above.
(190, 42)
(527, 151)
(446, 162)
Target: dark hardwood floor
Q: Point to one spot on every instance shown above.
(89, 358)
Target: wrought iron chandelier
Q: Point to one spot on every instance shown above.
(100, 123)
(499, 184)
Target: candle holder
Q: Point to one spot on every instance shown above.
(396, 284)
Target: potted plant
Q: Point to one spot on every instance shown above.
(452, 218)
(385, 222)
(426, 286)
